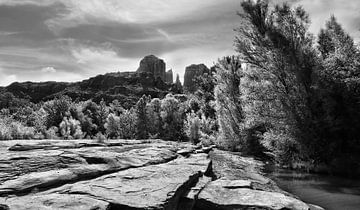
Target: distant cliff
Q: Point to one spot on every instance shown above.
(151, 78)
(154, 65)
(127, 87)
(191, 72)
(169, 77)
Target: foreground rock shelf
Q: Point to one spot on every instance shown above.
(123, 174)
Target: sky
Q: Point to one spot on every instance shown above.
(71, 40)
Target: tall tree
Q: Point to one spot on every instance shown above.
(228, 105)
(275, 43)
(340, 86)
(141, 118)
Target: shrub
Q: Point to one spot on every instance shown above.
(70, 129)
(10, 129)
(52, 133)
(100, 138)
(123, 126)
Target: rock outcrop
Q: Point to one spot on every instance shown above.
(240, 184)
(154, 65)
(169, 77)
(132, 174)
(225, 194)
(191, 72)
(126, 87)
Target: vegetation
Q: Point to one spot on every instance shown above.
(302, 98)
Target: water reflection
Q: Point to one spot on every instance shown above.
(332, 193)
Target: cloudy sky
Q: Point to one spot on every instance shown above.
(70, 40)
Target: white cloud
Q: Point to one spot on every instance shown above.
(6, 79)
(101, 60)
(48, 69)
(127, 11)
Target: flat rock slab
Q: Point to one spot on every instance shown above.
(24, 171)
(54, 201)
(150, 187)
(219, 196)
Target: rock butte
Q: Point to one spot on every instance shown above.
(133, 174)
(191, 72)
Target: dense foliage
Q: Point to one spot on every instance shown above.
(300, 98)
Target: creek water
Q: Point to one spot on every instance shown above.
(329, 192)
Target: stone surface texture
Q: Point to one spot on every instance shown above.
(132, 174)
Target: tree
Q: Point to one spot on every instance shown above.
(153, 113)
(228, 104)
(172, 114)
(192, 127)
(141, 118)
(178, 87)
(56, 110)
(70, 129)
(205, 92)
(122, 126)
(277, 46)
(340, 92)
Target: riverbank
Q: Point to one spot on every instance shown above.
(131, 174)
(330, 192)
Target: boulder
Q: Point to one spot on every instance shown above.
(232, 195)
(154, 65)
(191, 72)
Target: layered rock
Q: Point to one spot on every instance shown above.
(241, 185)
(131, 174)
(191, 72)
(84, 175)
(154, 65)
(169, 77)
(225, 194)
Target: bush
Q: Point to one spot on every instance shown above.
(70, 129)
(123, 126)
(52, 133)
(10, 129)
(100, 138)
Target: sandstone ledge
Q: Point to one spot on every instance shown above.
(131, 174)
